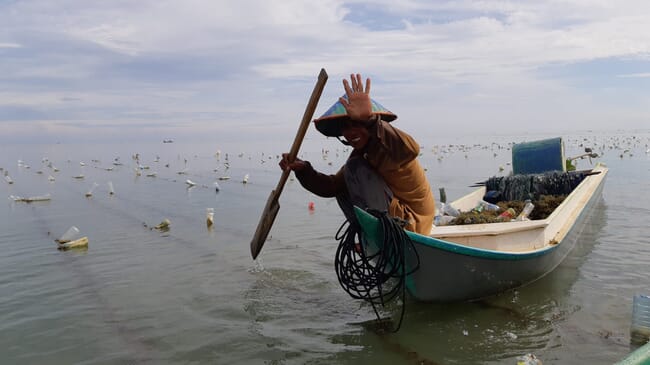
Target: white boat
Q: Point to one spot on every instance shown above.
(469, 262)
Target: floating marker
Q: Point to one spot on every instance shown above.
(164, 225)
(90, 192)
(209, 213)
(78, 243)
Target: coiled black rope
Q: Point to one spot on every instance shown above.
(377, 277)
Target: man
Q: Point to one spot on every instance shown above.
(382, 171)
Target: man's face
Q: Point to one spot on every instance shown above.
(356, 134)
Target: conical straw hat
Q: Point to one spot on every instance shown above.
(331, 122)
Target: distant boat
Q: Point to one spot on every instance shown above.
(31, 199)
(168, 141)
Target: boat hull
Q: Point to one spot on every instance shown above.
(450, 271)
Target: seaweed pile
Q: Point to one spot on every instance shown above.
(544, 206)
(546, 191)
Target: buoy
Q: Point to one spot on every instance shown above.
(311, 206)
(90, 192)
(209, 213)
(78, 243)
(163, 225)
(216, 186)
(245, 181)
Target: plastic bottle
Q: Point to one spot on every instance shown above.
(507, 215)
(528, 207)
(209, 214)
(449, 210)
(111, 191)
(489, 206)
(640, 329)
(68, 235)
(443, 220)
(92, 188)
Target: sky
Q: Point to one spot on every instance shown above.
(244, 70)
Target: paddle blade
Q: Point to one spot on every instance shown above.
(264, 226)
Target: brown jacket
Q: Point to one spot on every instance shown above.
(393, 154)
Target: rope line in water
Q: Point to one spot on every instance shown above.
(378, 277)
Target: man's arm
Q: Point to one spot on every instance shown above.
(389, 146)
(326, 186)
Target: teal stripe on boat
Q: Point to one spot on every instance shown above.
(368, 220)
(640, 356)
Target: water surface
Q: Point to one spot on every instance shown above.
(194, 295)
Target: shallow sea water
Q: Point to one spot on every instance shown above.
(193, 295)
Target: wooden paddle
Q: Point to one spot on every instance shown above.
(272, 204)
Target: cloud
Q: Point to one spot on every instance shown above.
(10, 45)
(637, 75)
(479, 65)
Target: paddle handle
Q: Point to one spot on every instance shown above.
(304, 125)
(272, 205)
